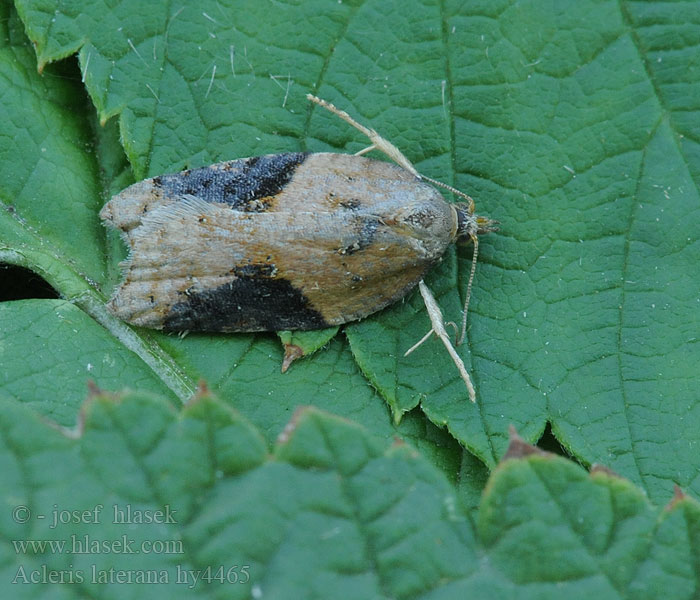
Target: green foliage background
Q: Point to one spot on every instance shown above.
(575, 124)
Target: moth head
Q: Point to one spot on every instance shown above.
(470, 225)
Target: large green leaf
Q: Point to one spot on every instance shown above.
(332, 513)
(572, 123)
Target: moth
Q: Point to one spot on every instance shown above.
(290, 241)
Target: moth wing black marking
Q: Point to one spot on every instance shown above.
(238, 183)
(247, 184)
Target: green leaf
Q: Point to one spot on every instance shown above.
(61, 357)
(573, 123)
(145, 492)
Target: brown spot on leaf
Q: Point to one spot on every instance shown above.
(598, 468)
(519, 448)
(292, 352)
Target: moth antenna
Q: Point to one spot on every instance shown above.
(475, 239)
(436, 320)
(454, 190)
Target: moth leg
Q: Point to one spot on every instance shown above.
(378, 142)
(418, 343)
(435, 315)
(366, 150)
